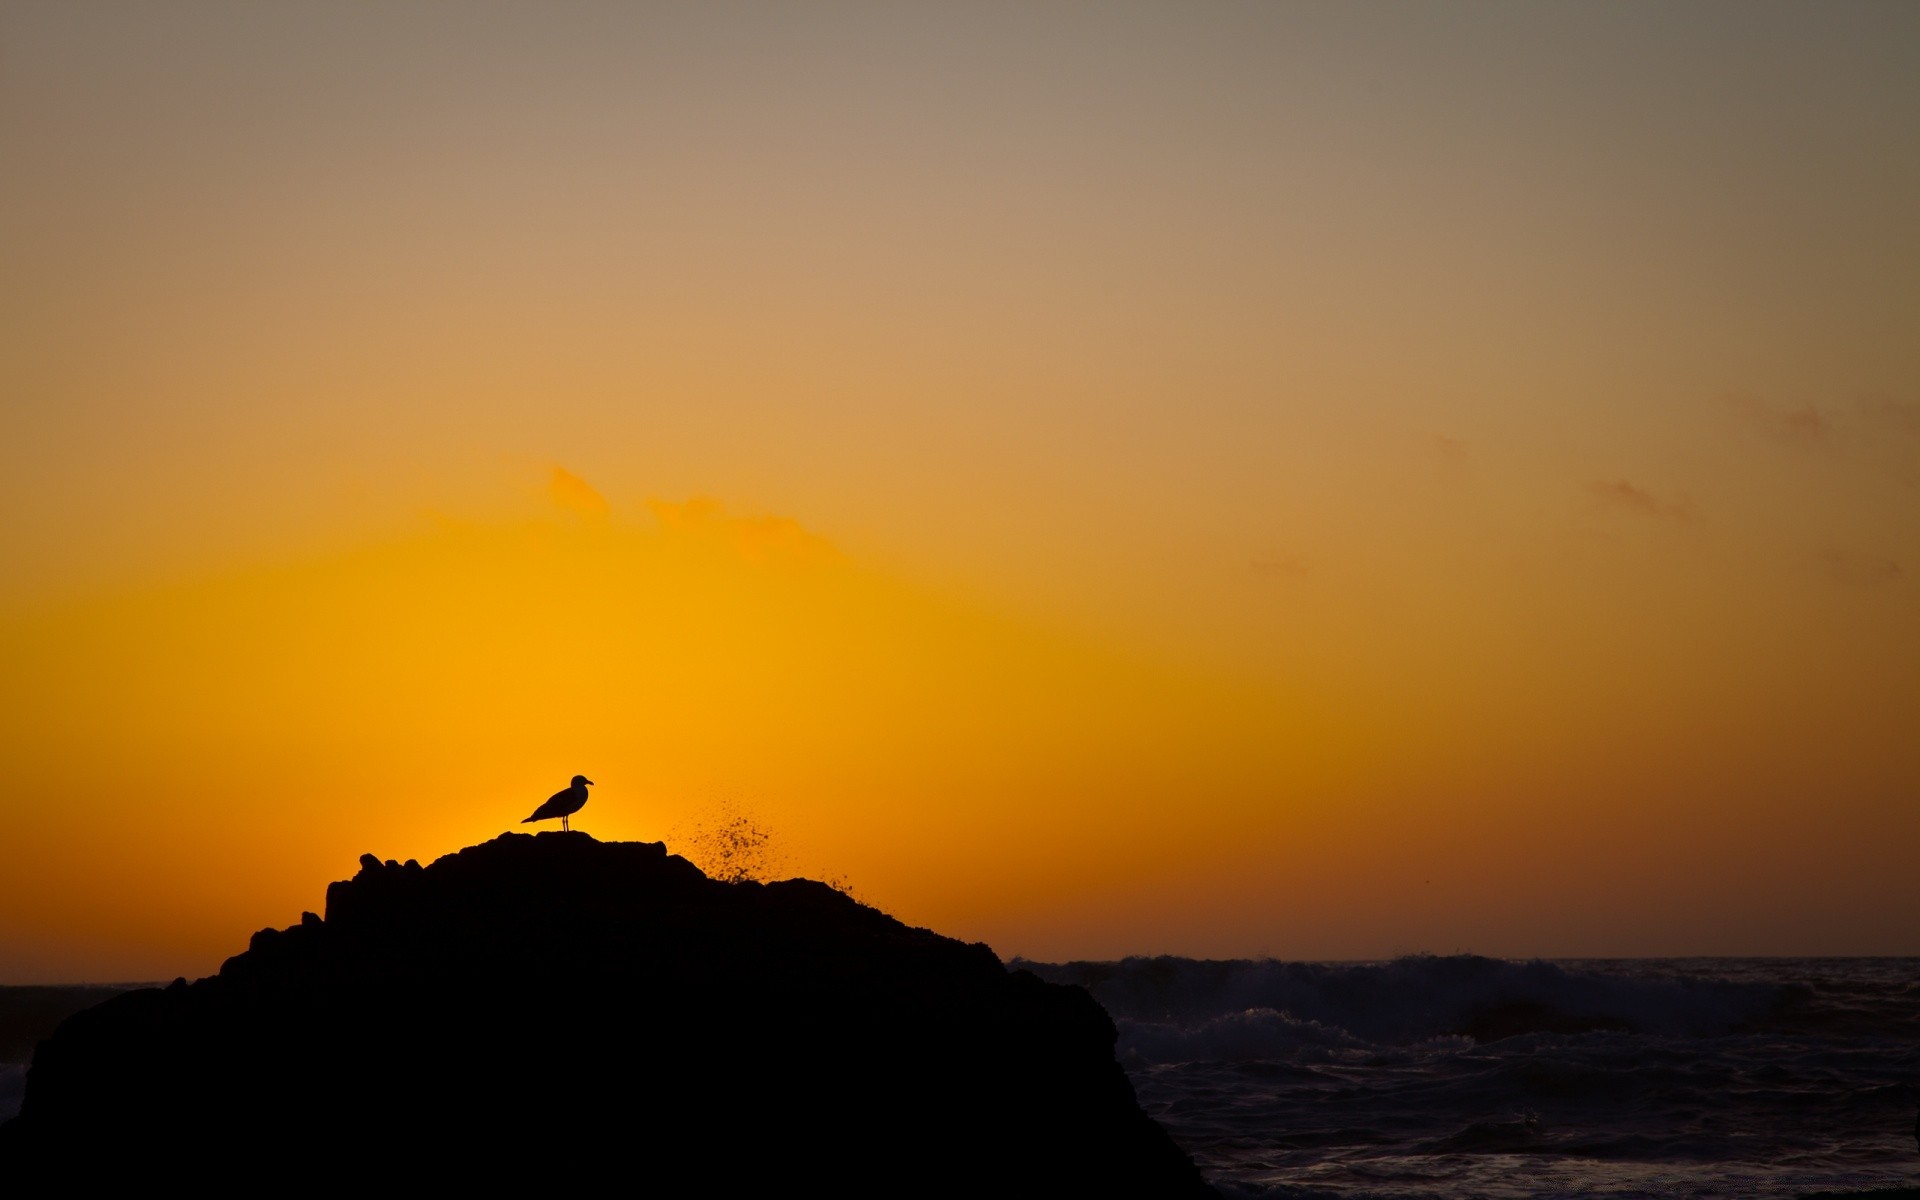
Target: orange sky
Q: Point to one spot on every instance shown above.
(1314, 480)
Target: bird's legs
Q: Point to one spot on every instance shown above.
(565, 826)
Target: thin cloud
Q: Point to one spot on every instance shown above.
(1875, 433)
(1622, 496)
(1850, 569)
(1806, 426)
(1885, 415)
(576, 495)
(756, 539)
(1450, 450)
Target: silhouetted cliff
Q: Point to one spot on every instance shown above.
(552, 1009)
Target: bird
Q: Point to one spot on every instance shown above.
(564, 804)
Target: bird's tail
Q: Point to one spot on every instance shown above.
(524, 820)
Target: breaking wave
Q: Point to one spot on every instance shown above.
(1182, 1010)
(1429, 1078)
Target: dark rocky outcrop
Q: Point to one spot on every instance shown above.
(552, 1009)
(28, 1013)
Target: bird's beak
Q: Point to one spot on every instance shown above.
(589, 783)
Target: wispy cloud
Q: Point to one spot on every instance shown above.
(1876, 433)
(1868, 418)
(1622, 496)
(1805, 426)
(1853, 569)
(756, 539)
(575, 495)
(1448, 449)
(1885, 415)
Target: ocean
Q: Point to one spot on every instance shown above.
(1464, 1077)
(1461, 1077)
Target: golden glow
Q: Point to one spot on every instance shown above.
(1288, 479)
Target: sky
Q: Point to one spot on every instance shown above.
(1300, 479)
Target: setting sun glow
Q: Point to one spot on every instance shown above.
(1098, 481)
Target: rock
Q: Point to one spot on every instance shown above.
(555, 1010)
(30, 1013)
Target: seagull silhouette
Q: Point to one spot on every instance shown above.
(563, 804)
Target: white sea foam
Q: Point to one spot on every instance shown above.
(1406, 1000)
(1256, 1034)
(1434, 1078)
